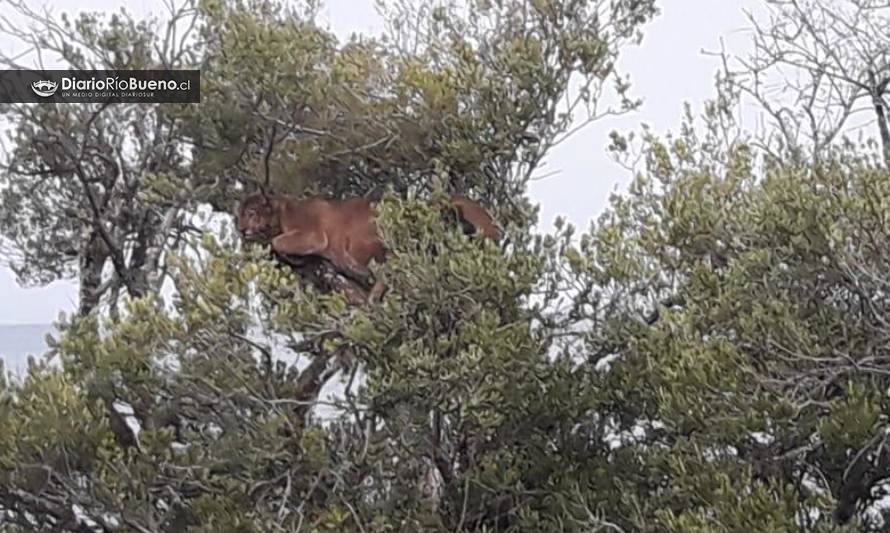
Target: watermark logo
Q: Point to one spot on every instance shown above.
(44, 88)
(100, 86)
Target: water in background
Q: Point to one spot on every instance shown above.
(18, 342)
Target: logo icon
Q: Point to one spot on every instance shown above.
(44, 88)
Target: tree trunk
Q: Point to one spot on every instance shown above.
(92, 261)
(877, 98)
(883, 127)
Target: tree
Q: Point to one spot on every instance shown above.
(86, 187)
(710, 355)
(200, 411)
(92, 186)
(741, 300)
(816, 65)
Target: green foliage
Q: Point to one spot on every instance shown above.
(747, 307)
(709, 356)
(469, 100)
(205, 411)
(743, 404)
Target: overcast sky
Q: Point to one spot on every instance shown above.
(667, 70)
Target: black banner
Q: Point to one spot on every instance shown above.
(100, 86)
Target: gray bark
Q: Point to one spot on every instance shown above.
(92, 261)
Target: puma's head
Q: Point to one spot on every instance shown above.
(258, 218)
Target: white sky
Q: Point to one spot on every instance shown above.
(667, 70)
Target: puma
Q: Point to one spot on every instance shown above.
(341, 231)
